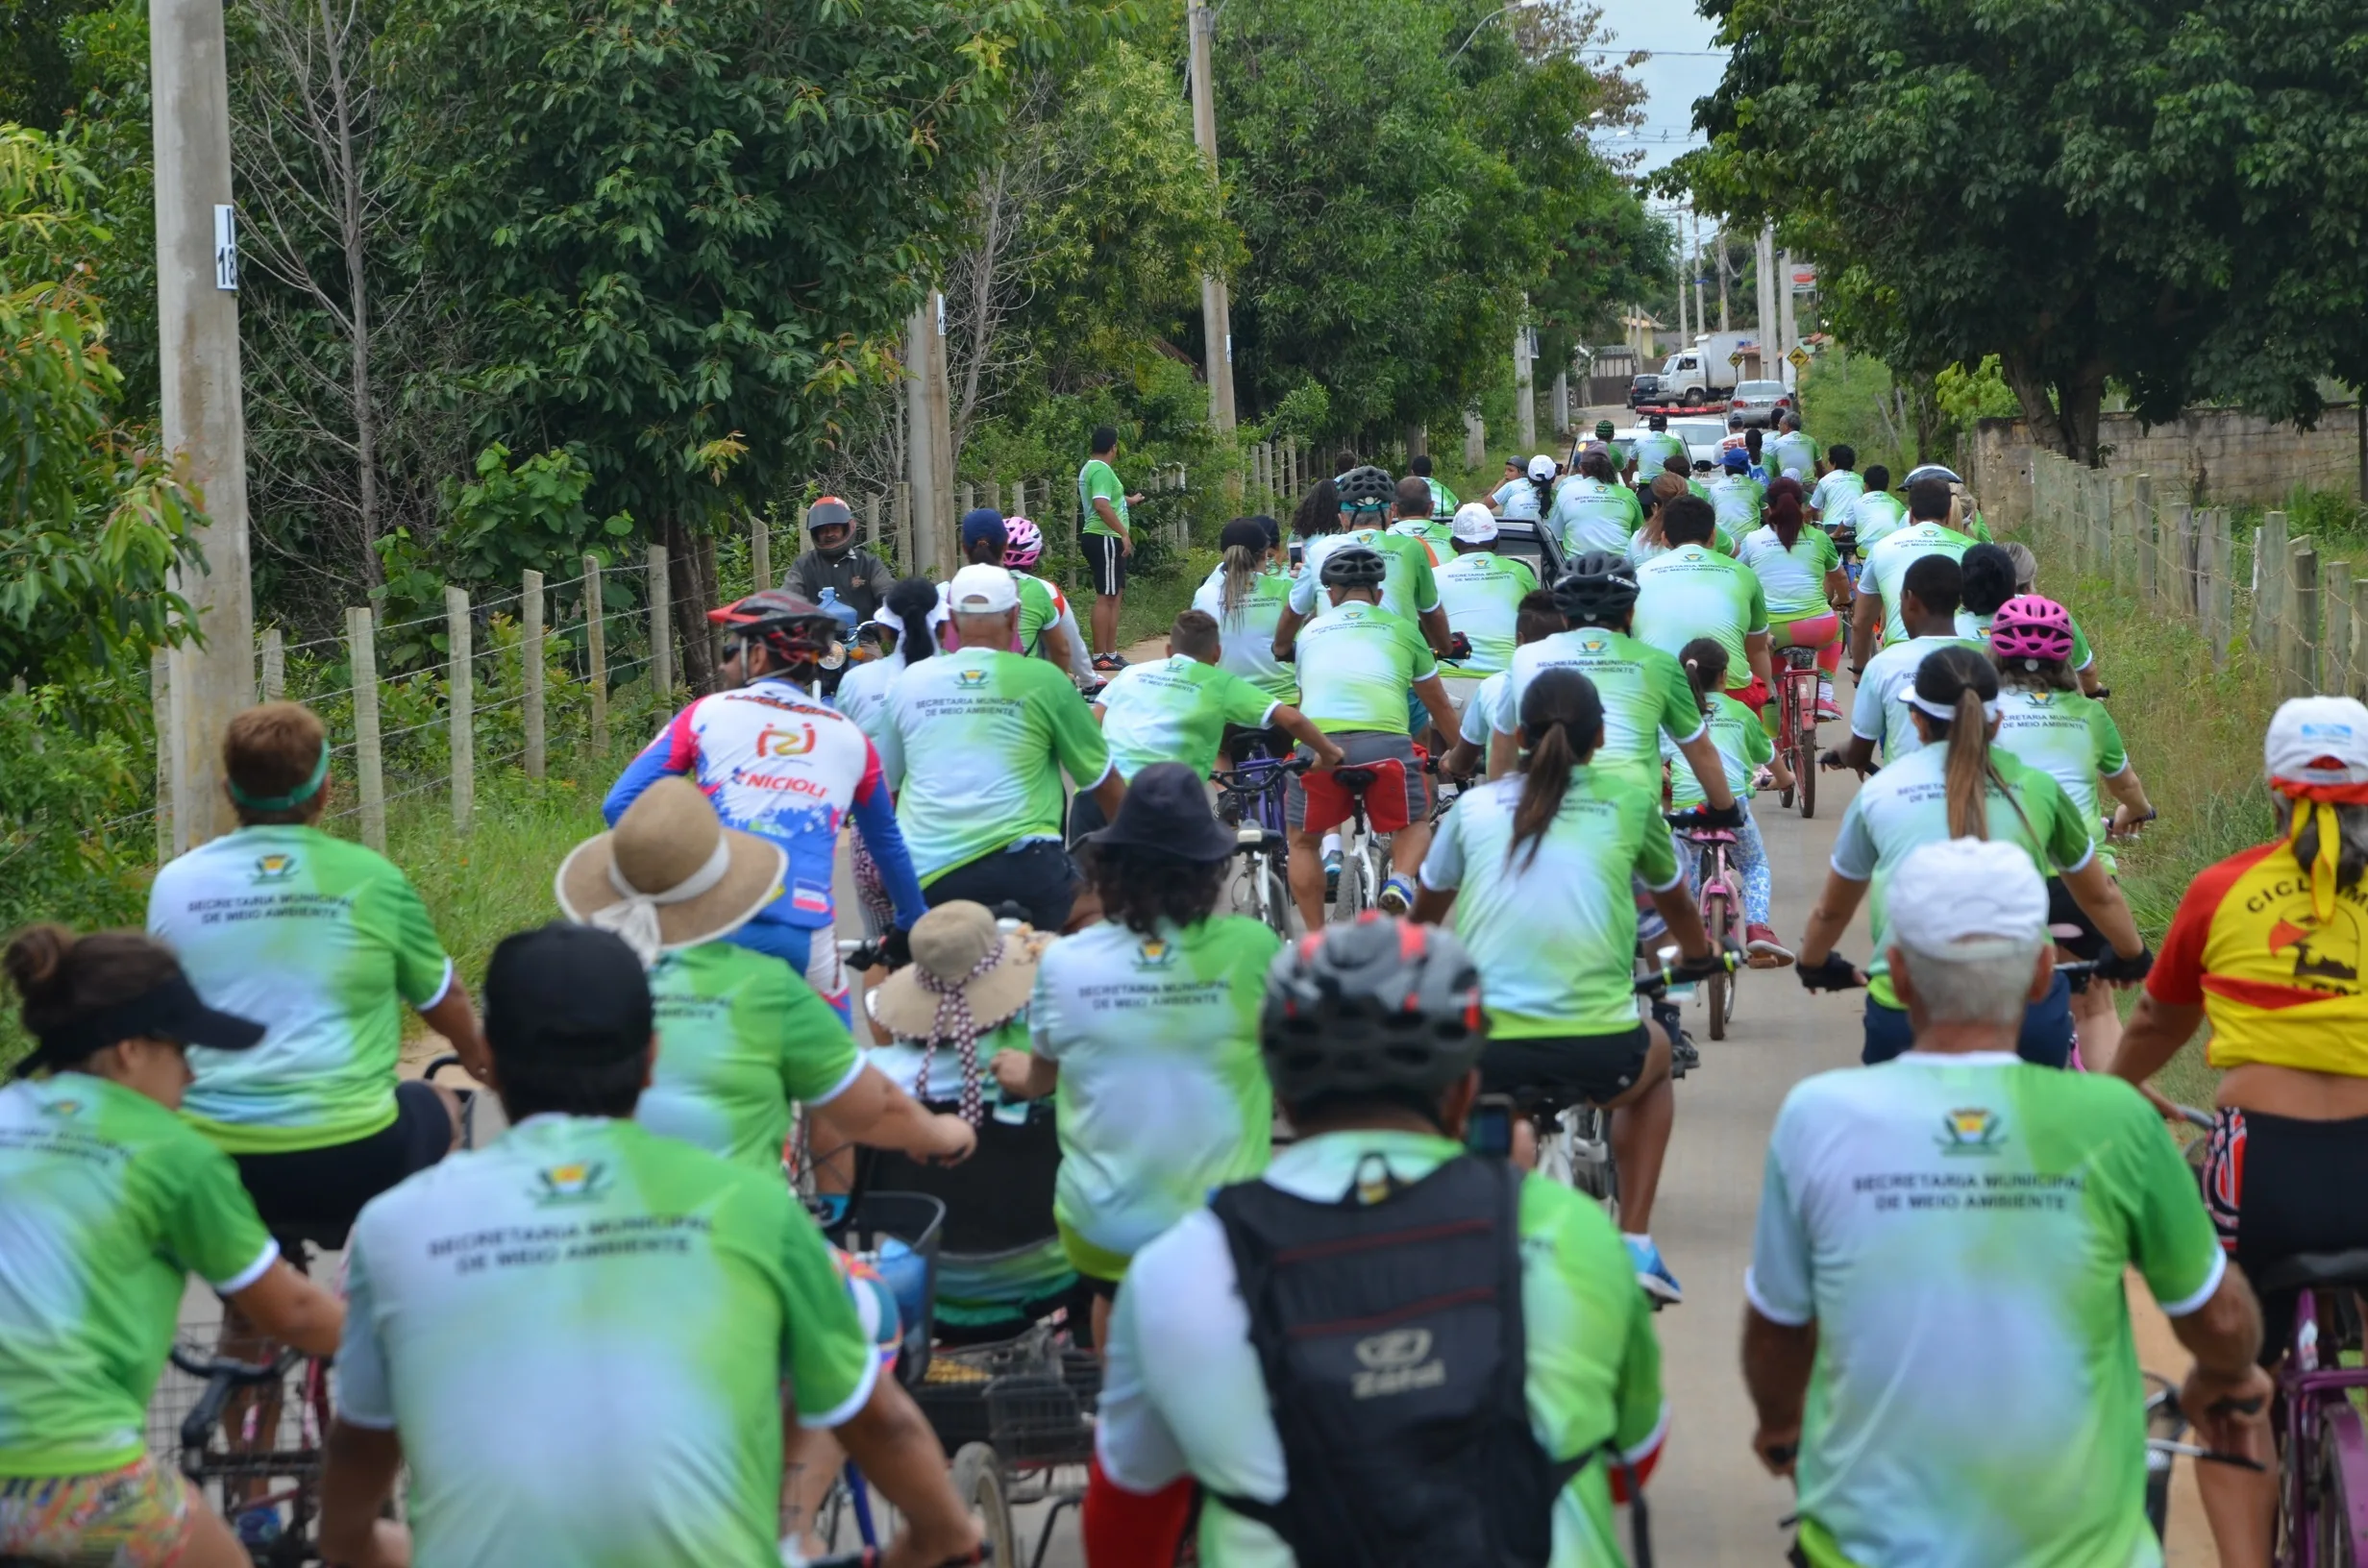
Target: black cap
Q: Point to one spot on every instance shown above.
(568, 996)
(171, 1011)
(1167, 809)
(1247, 532)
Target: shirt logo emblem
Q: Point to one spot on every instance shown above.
(1154, 953)
(62, 1109)
(970, 680)
(1594, 645)
(1395, 1363)
(277, 867)
(774, 740)
(1972, 1130)
(579, 1180)
(2312, 963)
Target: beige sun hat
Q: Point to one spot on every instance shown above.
(965, 970)
(670, 874)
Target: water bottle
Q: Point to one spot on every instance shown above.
(844, 614)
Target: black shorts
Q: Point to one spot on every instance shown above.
(2277, 1186)
(2061, 910)
(1105, 564)
(314, 1194)
(1237, 739)
(1597, 1068)
(1038, 876)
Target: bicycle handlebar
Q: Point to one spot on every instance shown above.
(1652, 985)
(241, 1372)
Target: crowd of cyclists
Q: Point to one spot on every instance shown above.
(1340, 1321)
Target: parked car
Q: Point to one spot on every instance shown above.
(1761, 402)
(1644, 389)
(1702, 436)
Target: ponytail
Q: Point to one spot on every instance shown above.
(1243, 565)
(1705, 659)
(1561, 717)
(1784, 510)
(1545, 495)
(1961, 681)
(915, 601)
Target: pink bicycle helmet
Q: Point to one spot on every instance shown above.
(2028, 626)
(1023, 542)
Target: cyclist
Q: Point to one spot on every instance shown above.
(1528, 498)
(1656, 446)
(1148, 1023)
(2264, 949)
(1539, 869)
(1358, 665)
(1959, 785)
(854, 575)
(1592, 511)
(1937, 1321)
(325, 944)
(1178, 709)
(1444, 501)
(1800, 572)
(1839, 486)
(1370, 1041)
(1648, 541)
(498, 1311)
(1873, 514)
(1108, 540)
(1692, 591)
(781, 762)
(1744, 747)
(1056, 638)
(1411, 589)
(738, 1038)
(1682, 466)
(1411, 517)
(974, 743)
(2046, 722)
(1964, 514)
(1754, 443)
(1246, 596)
(1537, 618)
(1643, 690)
(1879, 711)
(905, 626)
(112, 1201)
(1874, 612)
(1480, 593)
(1739, 499)
(1790, 451)
(1993, 574)
(1622, 459)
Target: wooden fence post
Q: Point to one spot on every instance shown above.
(661, 633)
(2182, 568)
(760, 552)
(275, 665)
(530, 657)
(902, 513)
(2355, 674)
(369, 761)
(2334, 662)
(460, 696)
(2149, 552)
(596, 653)
(2216, 583)
(160, 709)
(2269, 563)
(871, 527)
(2297, 624)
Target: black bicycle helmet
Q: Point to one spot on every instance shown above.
(1599, 589)
(1370, 1008)
(1354, 565)
(1367, 489)
(796, 630)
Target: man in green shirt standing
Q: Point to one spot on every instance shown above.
(1109, 539)
(1444, 501)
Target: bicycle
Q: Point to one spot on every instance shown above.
(1250, 795)
(1796, 726)
(1718, 889)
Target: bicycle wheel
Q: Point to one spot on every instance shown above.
(979, 1482)
(1376, 854)
(1348, 898)
(1788, 698)
(1717, 916)
(1804, 758)
(2340, 1527)
(1281, 916)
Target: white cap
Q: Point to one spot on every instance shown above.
(1542, 467)
(982, 590)
(2318, 740)
(1474, 524)
(1959, 896)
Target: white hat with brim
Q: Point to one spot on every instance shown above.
(1474, 524)
(670, 874)
(1966, 898)
(982, 590)
(952, 945)
(1542, 467)
(2318, 741)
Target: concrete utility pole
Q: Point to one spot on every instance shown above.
(1769, 327)
(928, 436)
(1476, 440)
(1525, 391)
(1558, 417)
(1783, 307)
(1216, 311)
(1684, 336)
(1695, 268)
(197, 337)
(1720, 240)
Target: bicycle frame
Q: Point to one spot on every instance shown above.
(2320, 1430)
(1719, 893)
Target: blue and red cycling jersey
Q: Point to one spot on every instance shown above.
(779, 764)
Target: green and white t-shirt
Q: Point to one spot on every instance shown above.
(1182, 1392)
(1693, 591)
(1885, 568)
(1443, 502)
(1358, 666)
(112, 1200)
(1790, 452)
(1643, 690)
(740, 1034)
(1176, 709)
(1249, 631)
(1873, 516)
(1793, 579)
(2070, 737)
(1875, 711)
(974, 744)
(1434, 533)
(1097, 480)
(1837, 490)
(505, 1305)
(322, 942)
(1554, 937)
(1743, 746)
(1975, 630)
(1907, 805)
(1738, 501)
(1655, 448)
(1408, 588)
(1163, 1092)
(1589, 514)
(1959, 1225)
(1040, 606)
(1481, 592)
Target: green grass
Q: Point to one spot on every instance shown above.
(1843, 402)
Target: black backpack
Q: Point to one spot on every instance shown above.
(1390, 1336)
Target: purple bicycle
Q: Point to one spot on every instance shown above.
(1250, 798)
(2322, 1439)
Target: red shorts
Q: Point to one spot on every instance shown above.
(1754, 697)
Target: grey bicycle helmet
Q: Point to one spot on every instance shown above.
(1367, 489)
(1931, 471)
(1354, 565)
(1599, 589)
(1370, 1008)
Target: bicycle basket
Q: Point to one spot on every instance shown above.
(915, 1220)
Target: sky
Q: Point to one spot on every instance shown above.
(1673, 80)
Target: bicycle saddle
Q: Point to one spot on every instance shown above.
(2309, 1268)
(1355, 778)
(1709, 834)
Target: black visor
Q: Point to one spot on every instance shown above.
(171, 1011)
